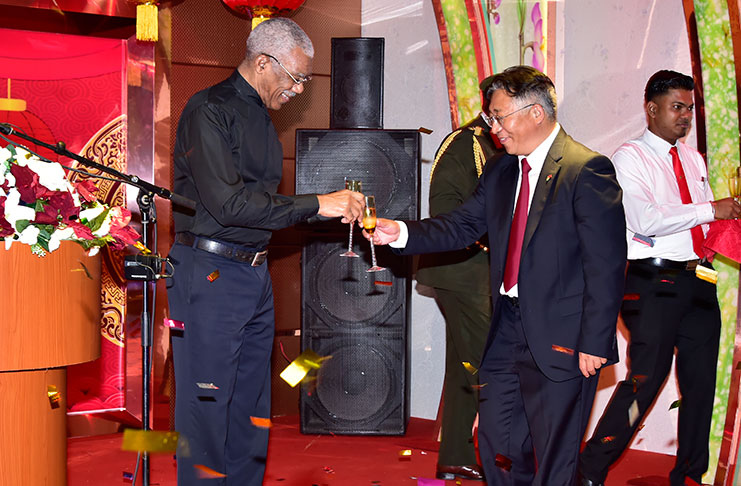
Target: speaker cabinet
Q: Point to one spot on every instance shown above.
(357, 83)
(386, 161)
(360, 321)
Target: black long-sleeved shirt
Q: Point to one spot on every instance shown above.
(229, 160)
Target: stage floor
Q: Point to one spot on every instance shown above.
(325, 460)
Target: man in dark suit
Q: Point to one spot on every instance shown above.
(557, 266)
(461, 282)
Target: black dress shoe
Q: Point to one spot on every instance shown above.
(465, 472)
(582, 481)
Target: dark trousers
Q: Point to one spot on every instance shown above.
(664, 309)
(467, 319)
(525, 418)
(222, 365)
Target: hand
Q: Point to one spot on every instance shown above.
(387, 230)
(589, 364)
(727, 208)
(345, 203)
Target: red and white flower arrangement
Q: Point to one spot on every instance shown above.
(40, 207)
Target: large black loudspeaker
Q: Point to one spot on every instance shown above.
(385, 161)
(360, 320)
(357, 83)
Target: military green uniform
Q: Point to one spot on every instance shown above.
(461, 282)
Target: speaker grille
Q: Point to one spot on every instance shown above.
(386, 161)
(360, 320)
(357, 82)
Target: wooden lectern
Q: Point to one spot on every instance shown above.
(49, 319)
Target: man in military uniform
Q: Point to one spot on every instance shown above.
(461, 282)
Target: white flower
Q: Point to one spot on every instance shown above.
(93, 251)
(51, 174)
(91, 213)
(59, 235)
(30, 235)
(14, 211)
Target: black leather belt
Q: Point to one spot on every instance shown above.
(689, 265)
(515, 301)
(244, 255)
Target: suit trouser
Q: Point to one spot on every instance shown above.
(467, 319)
(222, 365)
(526, 418)
(673, 308)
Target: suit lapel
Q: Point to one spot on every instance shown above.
(546, 181)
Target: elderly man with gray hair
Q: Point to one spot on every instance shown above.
(228, 159)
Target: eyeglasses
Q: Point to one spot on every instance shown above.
(300, 80)
(498, 119)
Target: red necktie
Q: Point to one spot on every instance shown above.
(517, 231)
(684, 192)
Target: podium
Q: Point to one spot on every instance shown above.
(49, 319)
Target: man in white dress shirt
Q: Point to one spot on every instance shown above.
(668, 205)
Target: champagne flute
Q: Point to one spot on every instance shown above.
(356, 186)
(734, 183)
(369, 224)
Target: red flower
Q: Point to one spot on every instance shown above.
(81, 231)
(64, 204)
(86, 189)
(5, 227)
(26, 181)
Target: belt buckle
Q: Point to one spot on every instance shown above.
(259, 258)
(692, 265)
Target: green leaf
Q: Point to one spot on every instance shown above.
(21, 224)
(676, 404)
(95, 224)
(39, 206)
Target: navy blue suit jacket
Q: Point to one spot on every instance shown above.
(572, 268)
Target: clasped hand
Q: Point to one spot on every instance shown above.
(345, 203)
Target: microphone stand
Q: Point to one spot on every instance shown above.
(147, 191)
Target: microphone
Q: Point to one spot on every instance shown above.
(6, 129)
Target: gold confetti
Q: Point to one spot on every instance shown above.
(299, 367)
(149, 441)
(54, 395)
(706, 274)
(140, 246)
(213, 276)
(426, 131)
(405, 455)
(633, 413)
(205, 472)
(561, 349)
(470, 368)
(263, 423)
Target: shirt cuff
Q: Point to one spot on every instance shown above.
(401, 241)
(705, 213)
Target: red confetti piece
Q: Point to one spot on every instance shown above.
(562, 349)
(383, 282)
(503, 462)
(667, 281)
(263, 423)
(479, 387)
(213, 276)
(328, 470)
(632, 297)
(607, 439)
(173, 324)
(205, 472)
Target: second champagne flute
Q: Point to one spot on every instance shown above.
(356, 186)
(369, 224)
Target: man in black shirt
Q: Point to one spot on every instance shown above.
(228, 159)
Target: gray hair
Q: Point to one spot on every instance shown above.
(526, 85)
(277, 36)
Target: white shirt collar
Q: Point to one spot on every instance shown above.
(536, 159)
(657, 144)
